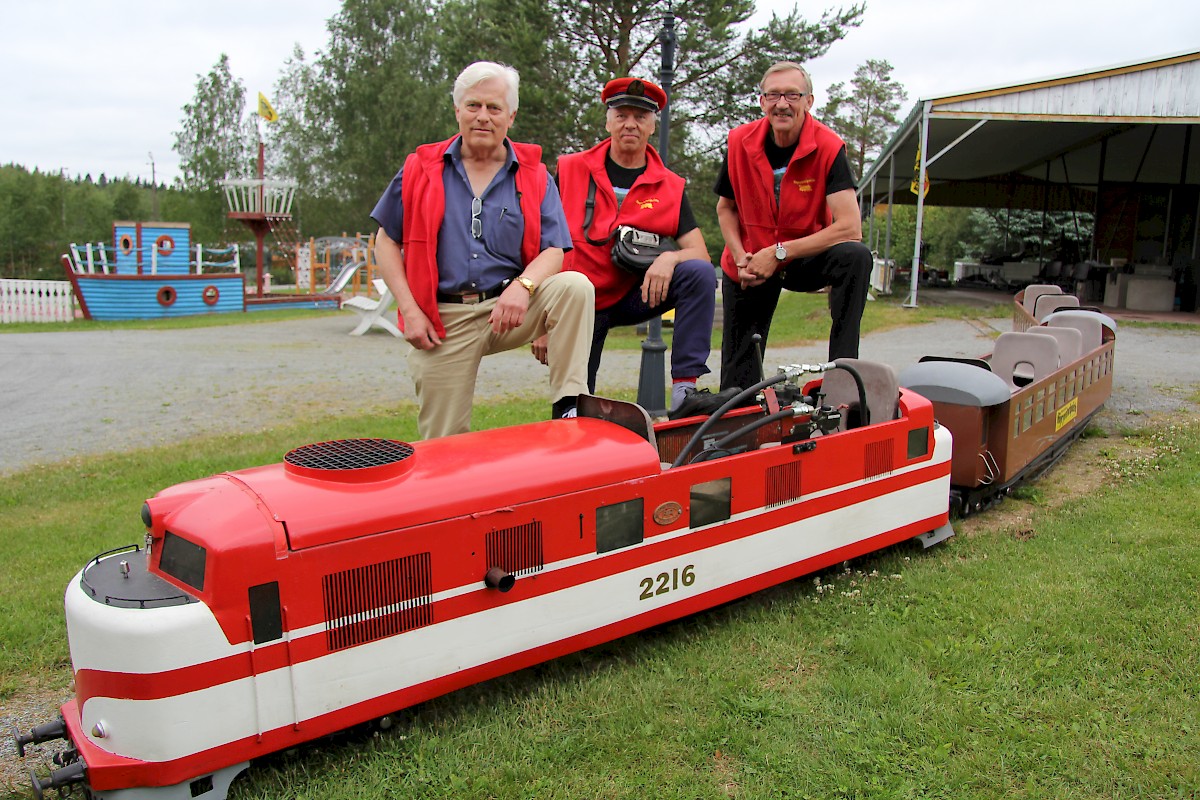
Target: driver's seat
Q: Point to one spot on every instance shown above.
(882, 391)
(630, 416)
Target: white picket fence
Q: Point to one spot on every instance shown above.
(36, 301)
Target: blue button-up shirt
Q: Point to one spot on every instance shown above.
(467, 263)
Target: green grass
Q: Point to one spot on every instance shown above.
(171, 323)
(1181, 327)
(1058, 661)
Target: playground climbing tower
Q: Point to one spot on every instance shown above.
(263, 206)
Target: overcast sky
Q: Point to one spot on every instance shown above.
(96, 86)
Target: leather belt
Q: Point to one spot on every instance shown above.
(472, 298)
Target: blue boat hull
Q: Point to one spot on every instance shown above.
(114, 297)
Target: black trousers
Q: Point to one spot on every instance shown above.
(845, 268)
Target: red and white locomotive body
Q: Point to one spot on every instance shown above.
(279, 604)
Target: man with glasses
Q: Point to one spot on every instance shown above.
(471, 242)
(790, 220)
(623, 181)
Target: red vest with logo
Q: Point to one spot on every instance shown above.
(801, 209)
(424, 197)
(652, 204)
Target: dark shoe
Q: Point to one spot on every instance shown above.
(564, 408)
(702, 402)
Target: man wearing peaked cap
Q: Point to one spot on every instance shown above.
(634, 93)
(629, 185)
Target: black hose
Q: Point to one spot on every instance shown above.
(750, 427)
(716, 415)
(863, 412)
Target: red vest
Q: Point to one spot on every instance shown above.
(424, 197)
(801, 209)
(652, 205)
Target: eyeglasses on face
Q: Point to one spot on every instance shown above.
(791, 97)
(476, 223)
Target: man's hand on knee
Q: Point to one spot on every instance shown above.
(509, 311)
(540, 349)
(657, 282)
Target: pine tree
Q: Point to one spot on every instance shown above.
(866, 115)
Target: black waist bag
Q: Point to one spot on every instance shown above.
(633, 249)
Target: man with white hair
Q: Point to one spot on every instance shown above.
(471, 242)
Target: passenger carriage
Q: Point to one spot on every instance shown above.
(1017, 410)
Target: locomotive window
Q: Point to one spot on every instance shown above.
(183, 560)
(619, 525)
(266, 620)
(710, 502)
(918, 443)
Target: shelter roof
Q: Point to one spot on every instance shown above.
(996, 147)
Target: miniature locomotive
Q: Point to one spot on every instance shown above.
(275, 605)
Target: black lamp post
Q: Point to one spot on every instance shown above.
(652, 377)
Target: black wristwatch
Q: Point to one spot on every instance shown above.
(780, 252)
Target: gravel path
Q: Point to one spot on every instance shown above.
(78, 393)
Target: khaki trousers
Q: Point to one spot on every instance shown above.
(563, 307)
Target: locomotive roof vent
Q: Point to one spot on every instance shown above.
(351, 460)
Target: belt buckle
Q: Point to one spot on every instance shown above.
(472, 298)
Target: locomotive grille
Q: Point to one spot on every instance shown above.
(517, 550)
(349, 454)
(671, 442)
(783, 484)
(877, 460)
(377, 601)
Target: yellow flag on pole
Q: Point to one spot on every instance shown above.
(924, 189)
(265, 110)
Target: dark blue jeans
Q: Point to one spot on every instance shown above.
(693, 295)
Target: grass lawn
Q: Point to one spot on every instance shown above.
(171, 323)
(1050, 650)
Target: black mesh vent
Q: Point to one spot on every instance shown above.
(517, 550)
(783, 484)
(878, 458)
(376, 601)
(345, 454)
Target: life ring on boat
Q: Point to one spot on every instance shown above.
(167, 296)
(125, 243)
(165, 245)
(211, 294)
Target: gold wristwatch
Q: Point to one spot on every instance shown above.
(529, 285)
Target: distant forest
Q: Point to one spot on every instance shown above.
(42, 213)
